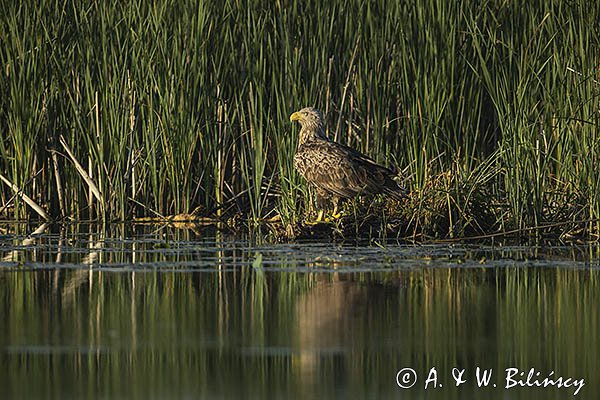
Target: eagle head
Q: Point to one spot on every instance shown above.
(312, 123)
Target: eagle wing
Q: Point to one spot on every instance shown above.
(343, 171)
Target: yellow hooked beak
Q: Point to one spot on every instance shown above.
(295, 116)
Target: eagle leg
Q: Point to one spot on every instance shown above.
(336, 214)
(322, 198)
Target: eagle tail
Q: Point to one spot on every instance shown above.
(396, 192)
(394, 187)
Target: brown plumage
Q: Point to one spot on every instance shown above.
(337, 171)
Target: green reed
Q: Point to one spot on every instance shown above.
(173, 105)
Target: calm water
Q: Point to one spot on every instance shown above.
(158, 312)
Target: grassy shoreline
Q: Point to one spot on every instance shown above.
(124, 111)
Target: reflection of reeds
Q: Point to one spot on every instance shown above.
(31, 239)
(192, 333)
(492, 111)
(84, 275)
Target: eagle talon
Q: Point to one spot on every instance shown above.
(318, 221)
(333, 217)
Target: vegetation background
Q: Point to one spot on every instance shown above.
(112, 110)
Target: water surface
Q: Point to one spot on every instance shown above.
(158, 312)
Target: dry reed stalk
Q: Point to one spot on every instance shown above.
(25, 198)
(59, 186)
(88, 180)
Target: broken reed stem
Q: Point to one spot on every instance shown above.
(59, 186)
(25, 198)
(91, 185)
